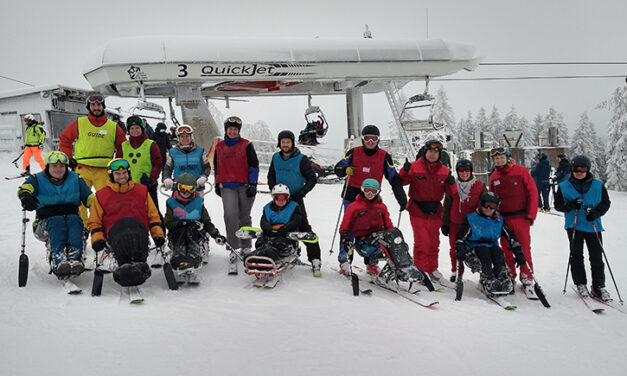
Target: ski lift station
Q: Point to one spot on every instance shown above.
(192, 70)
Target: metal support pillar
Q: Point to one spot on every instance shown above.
(354, 111)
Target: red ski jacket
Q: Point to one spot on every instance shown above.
(427, 184)
(517, 191)
(365, 217)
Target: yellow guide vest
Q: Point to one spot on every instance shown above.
(139, 158)
(95, 146)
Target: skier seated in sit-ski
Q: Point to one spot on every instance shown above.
(478, 237)
(189, 225)
(56, 193)
(280, 216)
(376, 237)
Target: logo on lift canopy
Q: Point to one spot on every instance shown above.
(135, 73)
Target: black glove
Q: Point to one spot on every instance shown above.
(574, 204)
(592, 215)
(519, 257)
(145, 180)
(281, 231)
(450, 180)
(402, 205)
(23, 147)
(29, 202)
(296, 197)
(461, 251)
(99, 245)
(72, 163)
(251, 190)
(216, 188)
(445, 230)
(407, 165)
(159, 241)
(531, 221)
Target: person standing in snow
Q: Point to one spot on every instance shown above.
(90, 142)
(187, 157)
(361, 163)
(563, 169)
(519, 198)
(34, 137)
(584, 200)
(541, 174)
(162, 139)
(456, 207)
(292, 168)
(428, 181)
(56, 193)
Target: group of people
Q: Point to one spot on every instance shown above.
(96, 153)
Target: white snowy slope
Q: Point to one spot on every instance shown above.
(305, 325)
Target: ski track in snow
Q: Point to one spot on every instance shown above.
(305, 325)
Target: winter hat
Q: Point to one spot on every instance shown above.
(233, 121)
(285, 134)
(161, 128)
(135, 120)
(580, 161)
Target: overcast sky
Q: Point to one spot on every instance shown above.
(47, 42)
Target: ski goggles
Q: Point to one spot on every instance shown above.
(435, 146)
(370, 190)
(233, 120)
(95, 99)
(580, 169)
(184, 188)
(280, 197)
(371, 138)
(184, 129)
(489, 205)
(56, 157)
(464, 169)
(498, 151)
(117, 164)
(463, 164)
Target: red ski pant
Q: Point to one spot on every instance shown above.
(521, 228)
(453, 230)
(33, 151)
(426, 242)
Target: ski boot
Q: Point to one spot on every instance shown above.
(315, 268)
(345, 268)
(62, 270)
(76, 267)
(600, 293)
(582, 290)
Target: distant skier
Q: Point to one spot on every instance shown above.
(584, 200)
(563, 169)
(122, 215)
(189, 226)
(376, 238)
(280, 216)
(465, 201)
(519, 199)
(56, 193)
(188, 157)
(162, 139)
(34, 137)
(361, 163)
(479, 234)
(541, 173)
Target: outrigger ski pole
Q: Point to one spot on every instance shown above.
(22, 276)
(459, 283)
(17, 159)
(537, 288)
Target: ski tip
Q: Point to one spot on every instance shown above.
(598, 310)
(510, 308)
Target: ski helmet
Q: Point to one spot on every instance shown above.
(117, 164)
(56, 156)
(186, 183)
(285, 134)
(29, 118)
(95, 98)
(489, 197)
(580, 161)
(233, 121)
(370, 130)
(185, 129)
(501, 150)
(463, 163)
(370, 183)
(280, 189)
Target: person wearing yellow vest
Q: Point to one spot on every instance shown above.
(91, 142)
(34, 137)
(143, 155)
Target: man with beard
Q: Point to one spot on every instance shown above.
(90, 142)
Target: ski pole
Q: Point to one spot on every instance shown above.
(22, 277)
(570, 252)
(607, 262)
(537, 288)
(16, 159)
(398, 222)
(339, 215)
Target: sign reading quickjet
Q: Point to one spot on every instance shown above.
(244, 70)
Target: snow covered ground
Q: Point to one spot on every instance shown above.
(305, 325)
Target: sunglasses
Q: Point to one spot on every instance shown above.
(119, 164)
(233, 119)
(464, 169)
(497, 151)
(184, 130)
(370, 190)
(95, 99)
(56, 157)
(580, 169)
(371, 138)
(184, 188)
(280, 197)
(489, 205)
(435, 146)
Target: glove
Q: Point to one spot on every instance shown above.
(445, 230)
(592, 215)
(159, 241)
(519, 257)
(281, 231)
(402, 205)
(220, 240)
(349, 246)
(29, 202)
(99, 245)
(145, 180)
(407, 165)
(200, 182)
(574, 204)
(168, 183)
(296, 197)
(199, 225)
(72, 163)
(251, 190)
(216, 188)
(461, 251)
(450, 180)
(23, 147)
(531, 221)
(349, 170)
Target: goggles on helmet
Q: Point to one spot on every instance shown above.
(184, 129)
(435, 146)
(464, 164)
(498, 151)
(489, 205)
(580, 169)
(184, 188)
(464, 169)
(56, 157)
(280, 197)
(95, 99)
(371, 138)
(117, 164)
(233, 119)
(370, 190)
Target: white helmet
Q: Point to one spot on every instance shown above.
(280, 189)
(29, 117)
(184, 128)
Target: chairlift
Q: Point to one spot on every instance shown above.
(146, 109)
(317, 125)
(424, 102)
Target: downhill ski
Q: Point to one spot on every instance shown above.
(590, 303)
(70, 287)
(22, 276)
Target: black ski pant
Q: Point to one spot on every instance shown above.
(273, 247)
(129, 241)
(595, 254)
(186, 242)
(313, 249)
(543, 195)
(492, 260)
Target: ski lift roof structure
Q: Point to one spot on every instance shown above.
(219, 67)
